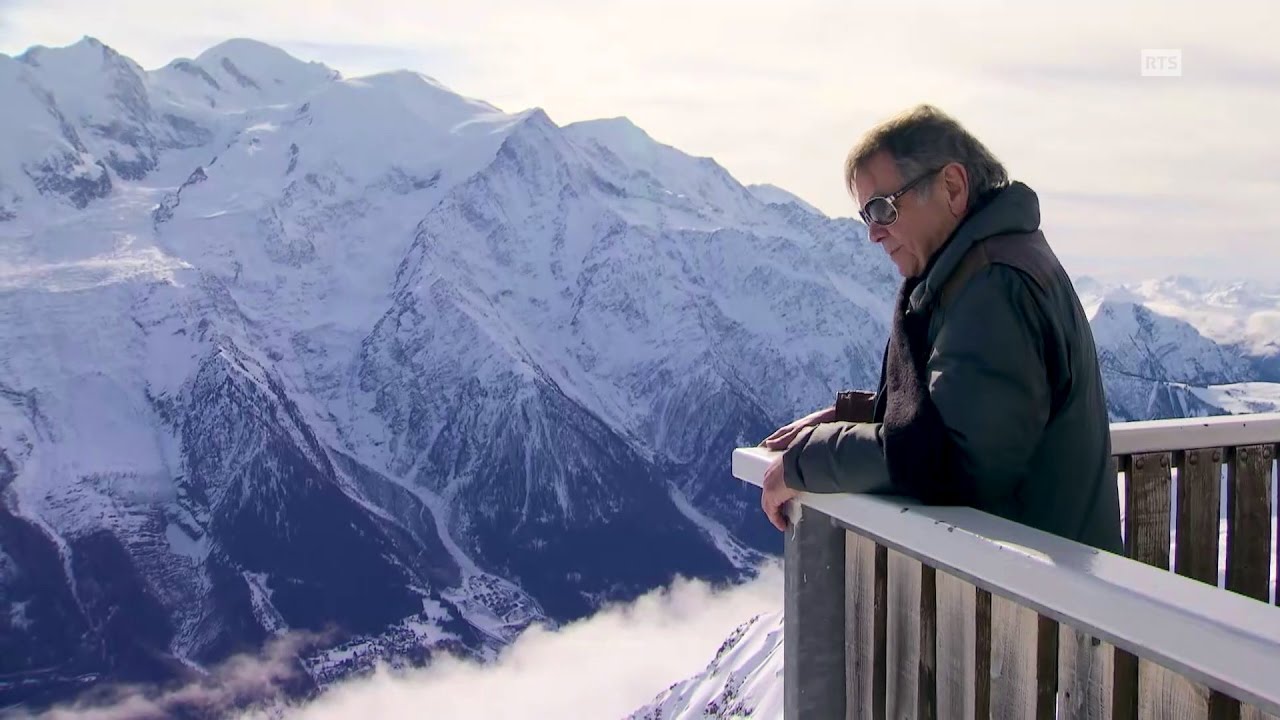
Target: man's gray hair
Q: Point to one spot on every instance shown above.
(923, 139)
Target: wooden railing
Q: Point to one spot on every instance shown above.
(897, 610)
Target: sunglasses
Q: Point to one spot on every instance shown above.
(881, 210)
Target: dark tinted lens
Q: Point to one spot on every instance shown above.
(881, 211)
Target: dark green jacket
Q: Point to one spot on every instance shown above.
(1013, 372)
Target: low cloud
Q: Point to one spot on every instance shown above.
(605, 666)
(241, 681)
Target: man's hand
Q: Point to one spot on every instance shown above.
(776, 494)
(782, 437)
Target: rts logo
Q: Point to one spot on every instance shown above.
(1162, 63)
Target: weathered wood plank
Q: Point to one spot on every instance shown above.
(1150, 492)
(1013, 659)
(957, 608)
(982, 654)
(1147, 516)
(1084, 676)
(1086, 672)
(1046, 668)
(903, 635)
(859, 619)
(880, 635)
(927, 672)
(1249, 537)
(1199, 491)
(1147, 507)
(813, 655)
(1249, 712)
(1249, 521)
(1199, 502)
(1165, 694)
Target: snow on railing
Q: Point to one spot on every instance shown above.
(949, 608)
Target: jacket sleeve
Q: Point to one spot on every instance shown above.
(837, 457)
(988, 380)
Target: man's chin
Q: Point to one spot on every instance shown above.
(905, 271)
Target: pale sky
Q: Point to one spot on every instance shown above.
(1137, 175)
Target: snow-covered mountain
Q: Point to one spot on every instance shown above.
(1179, 347)
(282, 350)
(1240, 314)
(743, 679)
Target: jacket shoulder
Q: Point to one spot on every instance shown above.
(1027, 252)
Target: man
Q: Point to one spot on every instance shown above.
(990, 394)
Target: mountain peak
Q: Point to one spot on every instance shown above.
(249, 52)
(260, 68)
(617, 133)
(774, 195)
(87, 49)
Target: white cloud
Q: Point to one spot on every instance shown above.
(778, 91)
(238, 682)
(602, 667)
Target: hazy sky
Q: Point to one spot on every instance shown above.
(1138, 175)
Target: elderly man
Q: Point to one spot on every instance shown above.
(990, 394)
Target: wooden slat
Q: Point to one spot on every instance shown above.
(1161, 692)
(1199, 491)
(1147, 515)
(1084, 676)
(1085, 663)
(1165, 694)
(880, 636)
(1249, 521)
(1147, 507)
(903, 635)
(859, 619)
(813, 655)
(1249, 539)
(957, 609)
(1249, 712)
(1013, 660)
(982, 654)
(1199, 503)
(927, 672)
(1046, 668)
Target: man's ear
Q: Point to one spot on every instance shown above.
(955, 188)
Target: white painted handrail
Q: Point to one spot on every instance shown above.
(1224, 640)
(1212, 432)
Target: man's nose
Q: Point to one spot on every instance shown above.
(877, 233)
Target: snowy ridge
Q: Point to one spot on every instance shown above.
(743, 680)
